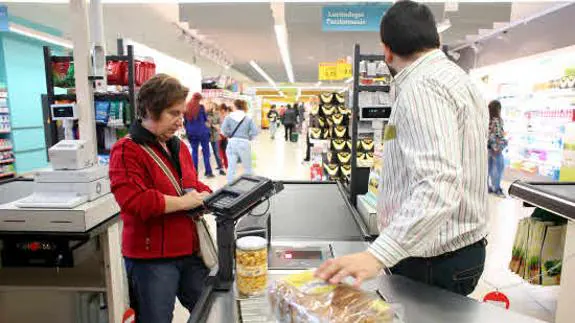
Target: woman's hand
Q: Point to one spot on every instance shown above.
(183, 203)
(192, 200)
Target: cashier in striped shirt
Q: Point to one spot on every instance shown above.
(433, 201)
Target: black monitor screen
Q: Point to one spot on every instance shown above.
(244, 185)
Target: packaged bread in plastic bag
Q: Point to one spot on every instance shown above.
(302, 298)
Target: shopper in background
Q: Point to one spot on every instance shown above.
(433, 203)
(159, 239)
(496, 145)
(273, 117)
(290, 121)
(305, 120)
(223, 143)
(240, 130)
(198, 132)
(214, 125)
(301, 116)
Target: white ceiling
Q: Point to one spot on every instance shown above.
(149, 24)
(246, 31)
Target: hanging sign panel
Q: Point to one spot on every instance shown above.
(353, 18)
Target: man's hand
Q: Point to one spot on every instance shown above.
(361, 266)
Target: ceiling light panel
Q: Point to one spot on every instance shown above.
(263, 74)
(282, 38)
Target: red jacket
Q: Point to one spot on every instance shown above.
(139, 186)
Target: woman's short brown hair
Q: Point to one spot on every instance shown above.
(158, 94)
(241, 105)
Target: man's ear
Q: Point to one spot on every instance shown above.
(387, 53)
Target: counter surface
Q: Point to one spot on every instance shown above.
(425, 304)
(420, 303)
(317, 214)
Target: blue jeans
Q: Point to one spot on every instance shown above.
(154, 285)
(238, 149)
(458, 271)
(495, 168)
(216, 149)
(205, 142)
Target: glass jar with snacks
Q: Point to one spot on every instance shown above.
(251, 265)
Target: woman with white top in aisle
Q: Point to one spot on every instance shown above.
(240, 129)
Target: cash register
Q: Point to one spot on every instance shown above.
(228, 205)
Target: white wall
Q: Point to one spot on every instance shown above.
(189, 75)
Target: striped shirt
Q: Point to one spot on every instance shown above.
(433, 198)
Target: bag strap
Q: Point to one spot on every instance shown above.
(237, 127)
(163, 167)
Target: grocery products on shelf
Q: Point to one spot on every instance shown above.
(6, 153)
(537, 108)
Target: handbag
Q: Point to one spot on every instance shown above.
(208, 250)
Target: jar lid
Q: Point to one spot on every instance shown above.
(251, 243)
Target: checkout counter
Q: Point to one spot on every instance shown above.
(557, 198)
(310, 222)
(60, 244)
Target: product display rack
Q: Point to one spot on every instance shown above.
(366, 116)
(7, 160)
(127, 95)
(329, 127)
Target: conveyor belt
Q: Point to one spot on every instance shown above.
(315, 211)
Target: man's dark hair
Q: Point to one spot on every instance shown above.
(408, 28)
(159, 93)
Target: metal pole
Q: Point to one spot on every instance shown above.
(354, 127)
(98, 45)
(82, 66)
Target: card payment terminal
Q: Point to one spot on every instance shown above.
(233, 200)
(228, 205)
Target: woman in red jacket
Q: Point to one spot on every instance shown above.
(159, 240)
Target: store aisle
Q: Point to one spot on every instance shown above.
(283, 160)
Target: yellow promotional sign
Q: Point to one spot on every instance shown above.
(334, 71)
(327, 71)
(344, 70)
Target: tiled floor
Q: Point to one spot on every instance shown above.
(280, 160)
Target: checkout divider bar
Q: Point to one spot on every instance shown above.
(533, 195)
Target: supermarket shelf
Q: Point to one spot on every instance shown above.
(97, 96)
(7, 161)
(538, 162)
(374, 88)
(371, 57)
(117, 57)
(65, 97)
(556, 92)
(4, 175)
(5, 132)
(112, 96)
(6, 148)
(62, 58)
